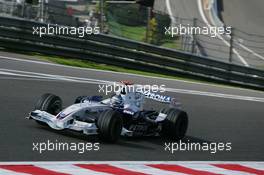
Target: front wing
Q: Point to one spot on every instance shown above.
(66, 123)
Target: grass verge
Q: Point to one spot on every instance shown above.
(131, 32)
(92, 65)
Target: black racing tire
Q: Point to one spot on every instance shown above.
(110, 125)
(79, 99)
(176, 123)
(49, 103)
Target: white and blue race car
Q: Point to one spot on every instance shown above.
(122, 114)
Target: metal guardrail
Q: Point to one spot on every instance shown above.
(17, 34)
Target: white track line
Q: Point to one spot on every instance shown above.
(26, 79)
(238, 43)
(249, 50)
(173, 21)
(200, 7)
(122, 73)
(212, 94)
(97, 81)
(168, 6)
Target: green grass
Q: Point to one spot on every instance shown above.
(138, 33)
(131, 32)
(89, 64)
(92, 65)
(172, 45)
(260, 66)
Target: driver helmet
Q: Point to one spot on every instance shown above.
(116, 101)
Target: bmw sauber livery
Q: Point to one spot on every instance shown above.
(121, 114)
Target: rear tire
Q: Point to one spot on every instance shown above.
(176, 123)
(49, 103)
(110, 125)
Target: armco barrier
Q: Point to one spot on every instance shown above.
(17, 34)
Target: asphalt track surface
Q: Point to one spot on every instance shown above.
(212, 119)
(188, 10)
(246, 16)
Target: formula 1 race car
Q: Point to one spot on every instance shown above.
(122, 114)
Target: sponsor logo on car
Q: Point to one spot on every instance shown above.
(158, 97)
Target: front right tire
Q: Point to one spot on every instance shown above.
(49, 103)
(110, 125)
